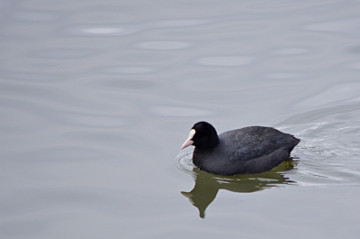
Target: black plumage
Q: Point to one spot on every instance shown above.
(253, 149)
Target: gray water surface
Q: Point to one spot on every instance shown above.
(96, 98)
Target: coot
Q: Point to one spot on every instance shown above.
(253, 149)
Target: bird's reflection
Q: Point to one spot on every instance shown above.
(207, 185)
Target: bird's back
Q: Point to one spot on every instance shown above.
(255, 141)
(248, 150)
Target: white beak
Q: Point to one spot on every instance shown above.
(189, 140)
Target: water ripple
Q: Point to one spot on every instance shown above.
(225, 60)
(128, 70)
(63, 53)
(354, 65)
(179, 23)
(39, 77)
(130, 29)
(122, 84)
(180, 111)
(349, 26)
(337, 93)
(328, 152)
(290, 51)
(102, 31)
(163, 45)
(283, 75)
(36, 16)
(91, 120)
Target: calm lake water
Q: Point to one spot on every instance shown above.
(96, 97)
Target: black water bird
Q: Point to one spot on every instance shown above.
(253, 149)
